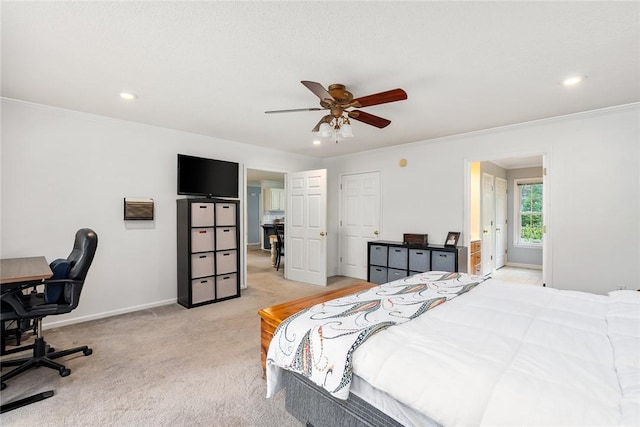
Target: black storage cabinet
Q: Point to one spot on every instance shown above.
(389, 261)
(208, 251)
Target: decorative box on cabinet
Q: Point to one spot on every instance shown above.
(389, 261)
(208, 244)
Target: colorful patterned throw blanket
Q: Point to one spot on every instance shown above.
(318, 342)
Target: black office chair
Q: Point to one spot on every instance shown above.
(279, 229)
(60, 296)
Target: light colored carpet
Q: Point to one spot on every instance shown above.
(166, 366)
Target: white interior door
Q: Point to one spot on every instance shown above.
(359, 221)
(305, 235)
(501, 221)
(488, 217)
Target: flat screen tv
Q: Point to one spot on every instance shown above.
(198, 176)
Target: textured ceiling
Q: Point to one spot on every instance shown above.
(213, 68)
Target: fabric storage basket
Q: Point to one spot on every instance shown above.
(202, 265)
(226, 213)
(226, 262)
(202, 240)
(226, 285)
(202, 290)
(225, 238)
(202, 215)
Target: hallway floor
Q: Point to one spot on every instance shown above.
(519, 275)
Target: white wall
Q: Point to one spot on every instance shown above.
(593, 164)
(63, 170)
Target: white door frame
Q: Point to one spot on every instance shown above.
(547, 164)
(245, 218)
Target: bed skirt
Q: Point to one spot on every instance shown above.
(315, 407)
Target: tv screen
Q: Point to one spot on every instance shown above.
(198, 176)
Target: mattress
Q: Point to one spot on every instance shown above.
(506, 354)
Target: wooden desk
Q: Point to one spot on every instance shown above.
(271, 317)
(14, 270)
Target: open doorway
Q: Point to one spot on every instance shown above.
(265, 205)
(505, 218)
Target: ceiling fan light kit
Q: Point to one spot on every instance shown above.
(338, 100)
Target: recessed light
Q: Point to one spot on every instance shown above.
(317, 142)
(128, 96)
(573, 80)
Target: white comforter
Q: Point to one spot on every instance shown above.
(507, 354)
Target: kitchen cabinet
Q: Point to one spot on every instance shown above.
(476, 257)
(273, 199)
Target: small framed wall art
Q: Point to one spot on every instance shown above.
(452, 238)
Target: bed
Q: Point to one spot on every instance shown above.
(493, 354)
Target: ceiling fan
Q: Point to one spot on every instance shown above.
(338, 100)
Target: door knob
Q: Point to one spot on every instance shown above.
(322, 233)
(376, 232)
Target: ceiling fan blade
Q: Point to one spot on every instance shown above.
(318, 89)
(325, 119)
(294, 110)
(369, 119)
(392, 95)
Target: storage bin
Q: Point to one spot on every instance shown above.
(202, 240)
(419, 260)
(443, 261)
(226, 214)
(226, 262)
(202, 215)
(398, 258)
(378, 255)
(226, 285)
(202, 265)
(394, 274)
(225, 238)
(202, 290)
(378, 275)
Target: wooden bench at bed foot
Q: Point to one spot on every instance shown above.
(271, 317)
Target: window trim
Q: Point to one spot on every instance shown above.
(517, 233)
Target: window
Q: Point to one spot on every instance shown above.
(528, 230)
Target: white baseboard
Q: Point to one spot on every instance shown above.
(519, 265)
(56, 324)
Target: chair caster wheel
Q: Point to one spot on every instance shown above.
(88, 352)
(3, 386)
(64, 372)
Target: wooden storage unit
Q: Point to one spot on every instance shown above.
(271, 317)
(389, 261)
(476, 257)
(208, 257)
